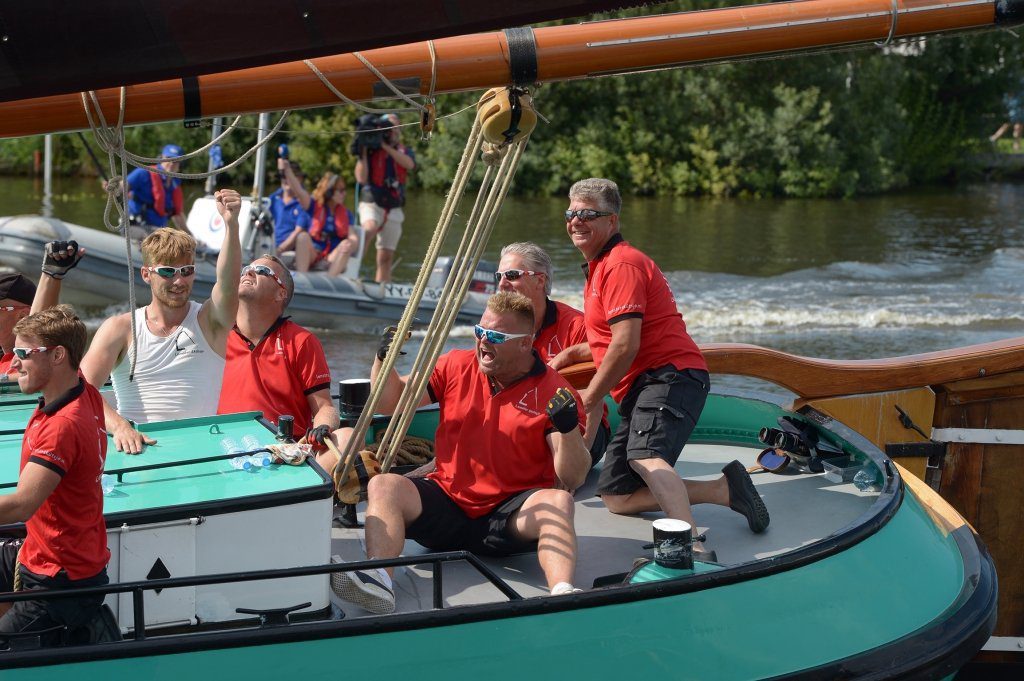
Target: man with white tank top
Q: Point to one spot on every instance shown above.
(179, 363)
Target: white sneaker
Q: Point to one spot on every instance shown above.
(563, 588)
(369, 589)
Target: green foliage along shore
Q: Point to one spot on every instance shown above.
(839, 123)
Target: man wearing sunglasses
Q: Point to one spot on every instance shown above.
(175, 371)
(526, 268)
(58, 496)
(650, 365)
(508, 432)
(16, 294)
(274, 365)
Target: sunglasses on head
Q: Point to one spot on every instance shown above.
(496, 337)
(168, 272)
(23, 353)
(586, 214)
(263, 271)
(512, 275)
(12, 308)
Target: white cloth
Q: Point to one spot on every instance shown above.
(176, 377)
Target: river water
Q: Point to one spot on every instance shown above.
(858, 278)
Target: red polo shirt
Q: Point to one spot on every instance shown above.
(561, 328)
(623, 283)
(5, 365)
(275, 375)
(67, 531)
(491, 445)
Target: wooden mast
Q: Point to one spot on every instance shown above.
(479, 61)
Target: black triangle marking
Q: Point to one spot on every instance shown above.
(158, 571)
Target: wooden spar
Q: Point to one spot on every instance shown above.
(479, 61)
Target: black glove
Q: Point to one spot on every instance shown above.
(562, 411)
(318, 434)
(59, 257)
(386, 339)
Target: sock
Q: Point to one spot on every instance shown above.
(562, 588)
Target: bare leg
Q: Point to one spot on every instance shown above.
(393, 505)
(547, 516)
(1017, 128)
(643, 500)
(304, 252)
(385, 257)
(339, 257)
(999, 133)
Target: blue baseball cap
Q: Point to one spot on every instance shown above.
(171, 151)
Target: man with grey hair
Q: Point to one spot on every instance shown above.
(650, 365)
(557, 328)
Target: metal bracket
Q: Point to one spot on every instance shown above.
(981, 436)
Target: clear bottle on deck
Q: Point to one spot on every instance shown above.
(260, 459)
(230, 445)
(107, 483)
(250, 443)
(866, 480)
(242, 463)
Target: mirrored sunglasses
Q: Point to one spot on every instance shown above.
(168, 272)
(496, 337)
(23, 353)
(585, 214)
(512, 275)
(263, 271)
(772, 461)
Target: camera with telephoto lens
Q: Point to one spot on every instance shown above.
(371, 131)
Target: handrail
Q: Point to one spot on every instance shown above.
(813, 378)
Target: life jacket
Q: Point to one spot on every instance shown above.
(319, 224)
(156, 181)
(387, 179)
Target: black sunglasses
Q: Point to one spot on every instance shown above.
(586, 214)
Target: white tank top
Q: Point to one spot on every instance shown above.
(176, 377)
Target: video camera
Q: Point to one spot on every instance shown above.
(371, 130)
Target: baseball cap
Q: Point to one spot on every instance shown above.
(17, 287)
(171, 151)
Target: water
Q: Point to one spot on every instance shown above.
(860, 278)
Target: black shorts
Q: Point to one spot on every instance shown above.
(34, 615)
(659, 414)
(600, 444)
(443, 526)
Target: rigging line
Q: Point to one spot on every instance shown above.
(351, 102)
(433, 70)
(388, 84)
(892, 25)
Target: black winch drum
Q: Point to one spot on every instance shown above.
(352, 395)
(673, 544)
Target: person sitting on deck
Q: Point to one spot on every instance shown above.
(58, 496)
(331, 233)
(273, 364)
(179, 360)
(526, 268)
(508, 431)
(16, 294)
(650, 365)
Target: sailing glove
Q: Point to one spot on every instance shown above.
(59, 257)
(318, 434)
(385, 342)
(562, 411)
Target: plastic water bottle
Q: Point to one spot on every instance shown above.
(107, 483)
(260, 460)
(230, 445)
(865, 480)
(241, 463)
(250, 443)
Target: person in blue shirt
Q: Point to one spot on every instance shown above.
(155, 199)
(289, 207)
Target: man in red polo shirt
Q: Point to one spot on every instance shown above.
(509, 424)
(16, 293)
(58, 496)
(274, 365)
(558, 328)
(650, 365)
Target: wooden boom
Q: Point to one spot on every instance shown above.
(473, 62)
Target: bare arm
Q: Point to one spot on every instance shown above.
(223, 304)
(362, 168)
(574, 354)
(621, 353)
(392, 389)
(398, 156)
(59, 257)
(35, 483)
(572, 460)
(294, 186)
(323, 410)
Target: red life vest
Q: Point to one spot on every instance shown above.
(156, 181)
(319, 223)
(387, 179)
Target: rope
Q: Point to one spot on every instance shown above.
(351, 102)
(388, 84)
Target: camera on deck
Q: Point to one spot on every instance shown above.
(371, 131)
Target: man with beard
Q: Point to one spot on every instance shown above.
(58, 495)
(176, 370)
(273, 364)
(508, 431)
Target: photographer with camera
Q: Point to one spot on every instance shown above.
(382, 168)
(289, 207)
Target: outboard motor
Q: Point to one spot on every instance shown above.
(483, 277)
